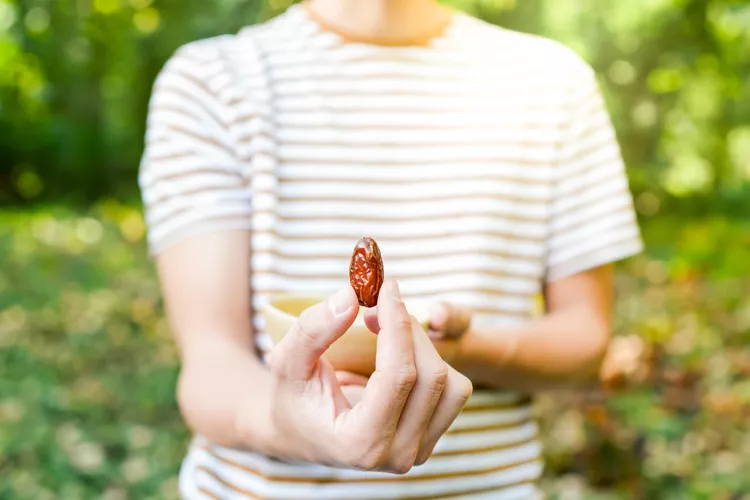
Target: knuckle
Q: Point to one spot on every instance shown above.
(403, 463)
(440, 376)
(304, 329)
(371, 459)
(404, 324)
(438, 380)
(405, 379)
(464, 388)
(368, 453)
(423, 456)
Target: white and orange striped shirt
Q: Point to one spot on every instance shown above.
(483, 162)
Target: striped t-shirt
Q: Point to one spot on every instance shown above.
(483, 162)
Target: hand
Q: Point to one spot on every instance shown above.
(448, 321)
(407, 404)
(448, 324)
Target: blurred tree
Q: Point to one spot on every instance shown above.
(76, 75)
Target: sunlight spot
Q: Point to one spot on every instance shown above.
(170, 488)
(135, 470)
(12, 319)
(68, 435)
(738, 144)
(89, 230)
(11, 410)
(132, 227)
(113, 493)
(647, 203)
(147, 20)
(622, 72)
(37, 20)
(645, 114)
(689, 174)
(47, 230)
(140, 436)
(7, 16)
(107, 6)
(726, 462)
(79, 49)
(87, 457)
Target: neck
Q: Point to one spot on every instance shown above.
(384, 20)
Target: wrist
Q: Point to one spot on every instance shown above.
(481, 353)
(254, 422)
(462, 356)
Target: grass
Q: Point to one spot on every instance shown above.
(88, 368)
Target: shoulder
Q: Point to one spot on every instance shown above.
(196, 63)
(530, 52)
(205, 55)
(204, 71)
(228, 52)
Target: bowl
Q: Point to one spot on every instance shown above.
(354, 351)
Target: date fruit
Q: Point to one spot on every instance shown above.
(366, 271)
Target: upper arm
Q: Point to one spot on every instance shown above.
(590, 292)
(591, 217)
(196, 200)
(206, 287)
(592, 222)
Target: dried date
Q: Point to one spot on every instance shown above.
(366, 271)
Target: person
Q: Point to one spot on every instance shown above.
(484, 163)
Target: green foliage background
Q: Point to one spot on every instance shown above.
(87, 367)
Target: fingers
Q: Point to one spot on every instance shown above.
(449, 320)
(395, 351)
(432, 376)
(409, 401)
(319, 326)
(457, 391)
(371, 319)
(395, 373)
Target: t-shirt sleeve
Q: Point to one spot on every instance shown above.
(592, 219)
(190, 177)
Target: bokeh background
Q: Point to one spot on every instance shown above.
(87, 367)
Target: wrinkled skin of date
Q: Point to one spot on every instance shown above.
(366, 271)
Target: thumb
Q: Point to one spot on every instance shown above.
(297, 354)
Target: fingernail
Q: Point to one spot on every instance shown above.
(342, 301)
(438, 316)
(395, 291)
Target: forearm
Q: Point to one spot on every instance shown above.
(562, 349)
(224, 395)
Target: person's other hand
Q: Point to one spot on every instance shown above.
(448, 321)
(407, 404)
(447, 325)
